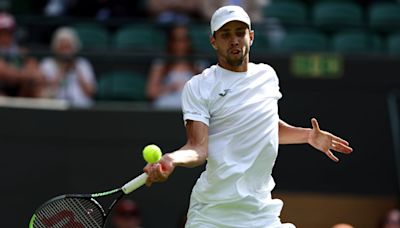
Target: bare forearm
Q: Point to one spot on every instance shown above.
(188, 156)
(289, 134)
(192, 154)
(87, 88)
(154, 86)
(10, 74)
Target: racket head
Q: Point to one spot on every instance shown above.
(69, 211)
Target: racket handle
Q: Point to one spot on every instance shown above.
(135, 183)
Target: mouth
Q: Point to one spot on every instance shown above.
(235, 51)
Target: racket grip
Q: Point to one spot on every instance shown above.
(135, 183)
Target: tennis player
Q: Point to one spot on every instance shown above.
(231, 116)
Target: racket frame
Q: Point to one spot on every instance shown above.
(127, 188)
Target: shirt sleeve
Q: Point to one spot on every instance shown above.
(87, 71)
(276, 86)
(194, 107)
(279, 93)
(48, 68)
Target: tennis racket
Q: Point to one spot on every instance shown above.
(80, 210)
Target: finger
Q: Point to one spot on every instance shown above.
(149, 180)
(155, 173)
(146, 169)
(338, 139)
(161, 174)
(152, 174)
(315, 124)
(342, 148)
(331, 156)
(148, 183)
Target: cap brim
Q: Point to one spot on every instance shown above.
(229, 20)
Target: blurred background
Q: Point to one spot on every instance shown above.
(85, 85)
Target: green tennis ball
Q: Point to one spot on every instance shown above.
(152, 153)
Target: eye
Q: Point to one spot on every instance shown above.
(224, 35)
(240, 33)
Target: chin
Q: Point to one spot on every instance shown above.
(236, 62)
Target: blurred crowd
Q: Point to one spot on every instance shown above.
(161, 10)
(64, 73)
(391, 219)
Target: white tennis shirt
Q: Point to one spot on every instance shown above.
(241, 111)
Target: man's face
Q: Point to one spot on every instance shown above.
(232, 42)
(65, 46)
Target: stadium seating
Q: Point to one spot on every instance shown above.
(304, 40)
(121, 85)
(287, 12)
(261, 44)
(140, 37)
(328, 18)
(332, 16)
(92, 35)
(200, 36)
(384, 16)
(393, 44)
(356, 42)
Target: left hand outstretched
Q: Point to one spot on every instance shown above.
(325, 141)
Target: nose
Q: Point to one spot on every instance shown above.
(234, 41)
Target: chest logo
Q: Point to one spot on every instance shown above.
(223, 94)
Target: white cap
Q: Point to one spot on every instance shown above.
(227, 14)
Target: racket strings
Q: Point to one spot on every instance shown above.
(69, 213)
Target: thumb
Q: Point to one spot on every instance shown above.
(315, 124)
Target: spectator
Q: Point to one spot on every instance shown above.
(168, 76)
(174, 11)
(126, 215)
(391, 219)
(19, 73)
(68, 76)
(253, 8)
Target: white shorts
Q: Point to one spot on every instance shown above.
(239, 214)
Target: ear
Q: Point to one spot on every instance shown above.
(213, 42)
(251, 37)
